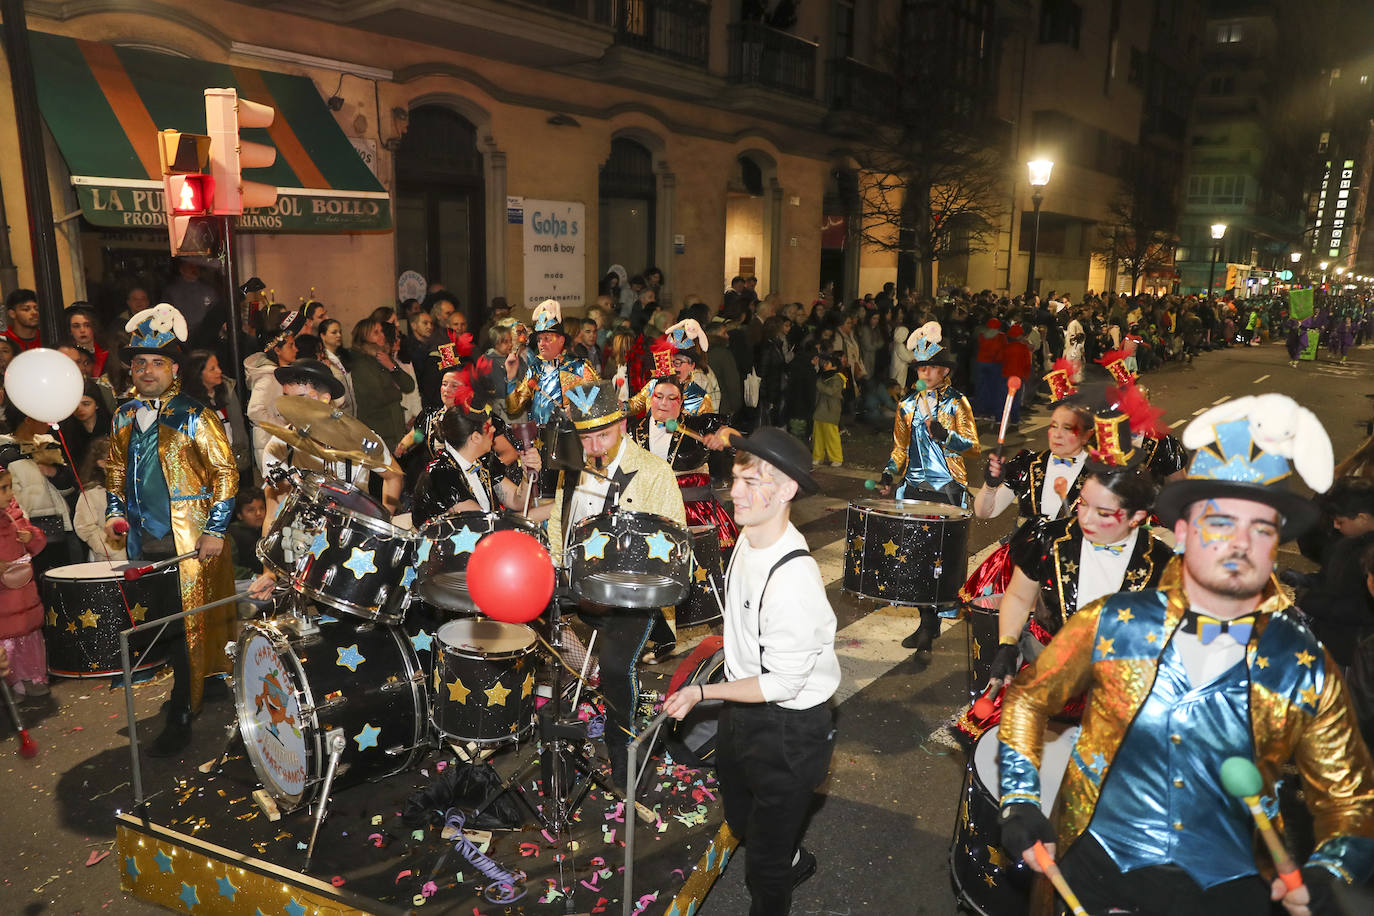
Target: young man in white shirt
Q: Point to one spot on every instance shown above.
(777, 727)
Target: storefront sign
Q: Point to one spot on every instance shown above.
(515, 210)
(555, 252)
(136, 206)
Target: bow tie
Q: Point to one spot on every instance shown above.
(1209, 628)
(153, 404)
(1056, 460)
(1113, 549)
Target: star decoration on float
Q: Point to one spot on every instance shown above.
(463, 541)
(89, 618)
(138, 612)
(71, 626)
(458, 692)
(164, 862)
(367, 737)
(188, 896)
(350, 658)
(361, 563)
(594, 546)
(131, 866)
(496, 694)
(700, 574)
(660, 548)
(226, 887)
(890, 548)
(408, 577)
(527, 687)
(318, 546)
(422, 641)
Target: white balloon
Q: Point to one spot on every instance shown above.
(44, 384)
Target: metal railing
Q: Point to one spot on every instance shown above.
(764, 56)
(860, 88)
(680, 29)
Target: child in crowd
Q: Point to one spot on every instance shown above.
(250, 509)
(89, 517)
(21, 611)
(825, 430)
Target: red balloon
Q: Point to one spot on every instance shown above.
(510, 576)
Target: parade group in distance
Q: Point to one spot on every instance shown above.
(1144, 686)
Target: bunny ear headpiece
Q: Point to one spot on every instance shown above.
(1249, 449)
(924, 342)
(682, 337)
(160, 329)
(548, 316)
(686, 333)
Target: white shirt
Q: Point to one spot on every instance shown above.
(1100, 572)
(660, 440)
(795, 640)
(1205, 664)
(590, 496)
(474, 476)
(1050, 501)
(145, 417)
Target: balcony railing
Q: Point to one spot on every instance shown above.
(680, 29)
(859, 88)
(597, 11)
(764, 56)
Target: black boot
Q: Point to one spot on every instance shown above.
(620, 765)
(176, 734)
(925, 634)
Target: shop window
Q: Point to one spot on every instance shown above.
(628, 195)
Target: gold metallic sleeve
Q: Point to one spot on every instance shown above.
(901, 438)
(1062, 671)
(1335, 765)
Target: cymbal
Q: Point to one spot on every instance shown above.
(293, 439)
(336, 430)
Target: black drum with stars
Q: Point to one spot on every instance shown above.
(907, 552)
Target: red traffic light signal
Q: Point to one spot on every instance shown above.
(189, 195)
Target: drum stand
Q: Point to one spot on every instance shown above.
(336, 742)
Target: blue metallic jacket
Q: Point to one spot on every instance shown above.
(927, 463)
(1151, 745)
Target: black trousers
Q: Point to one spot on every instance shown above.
(165, 548)
(621, 641)
(769, 761)
(1165, 890)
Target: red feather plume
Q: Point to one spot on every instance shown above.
(463, 345)
(1143, 415)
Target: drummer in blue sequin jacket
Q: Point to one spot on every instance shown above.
(933, 431)
(1173, 692)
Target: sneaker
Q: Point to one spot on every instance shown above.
(35, 689)
(804, 869)
(836, 464)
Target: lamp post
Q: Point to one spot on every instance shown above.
(1218, 231)
(1039, 177)
(1323, 265)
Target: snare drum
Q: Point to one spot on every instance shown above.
(707, 593)
(291, 690)
(630, 560)
(905, 551)
(484, 681)
(988, 879)
(301, 518)
(444, 547)
(86, 610)
(355, 564)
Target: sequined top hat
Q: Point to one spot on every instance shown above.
(548, 316)
(1060, 380)
(1115, 363)
(1250, 448)
(1113, 451)
(685, 337)
(160, 330)
(594, 405)
(924, 342)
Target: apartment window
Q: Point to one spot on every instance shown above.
(1324, 141)
(1135, 73)
(1061, 23)
(844, 28)
(1229, 33)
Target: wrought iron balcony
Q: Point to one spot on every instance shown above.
(764, 56)
(859, 88)
(680, 29)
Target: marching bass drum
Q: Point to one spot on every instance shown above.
(906, 551)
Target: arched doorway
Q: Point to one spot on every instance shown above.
(439, 204)
(629, 196)
(752, 203)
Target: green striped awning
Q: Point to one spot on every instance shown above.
(104, 106)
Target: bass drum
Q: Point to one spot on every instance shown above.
(693, 740)
(292, 690)
(987, 879)
(906, 552)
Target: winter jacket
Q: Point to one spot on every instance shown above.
(21, 611)
(264, 392)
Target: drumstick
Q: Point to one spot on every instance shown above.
(134, 572)
(1013, 385)
(984, 706)
(27, 746)
(1051, 870)
(672, 425)
(1242, 780)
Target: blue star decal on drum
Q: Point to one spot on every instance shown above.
(422, 555)
(294, 909)
(318, 546)
(660, 548)
(465, 540)
(361, 563)
(367, 737)
(422, 641)
(188, 896)
(350, 658)
(408, 577)
(131, 866)
(594, 547)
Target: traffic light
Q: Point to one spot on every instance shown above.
(225, 115)
(187, 192)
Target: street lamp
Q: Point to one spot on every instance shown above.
(1039, 177)
(1218, 231)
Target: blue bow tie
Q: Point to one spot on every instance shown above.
(1113, 549)
(153, 404)
(1209, 628)
(1055, 459)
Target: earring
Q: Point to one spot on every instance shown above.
(1178, 549)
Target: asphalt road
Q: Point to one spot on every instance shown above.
(883, 822)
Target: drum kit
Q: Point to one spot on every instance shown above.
(373, 653)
